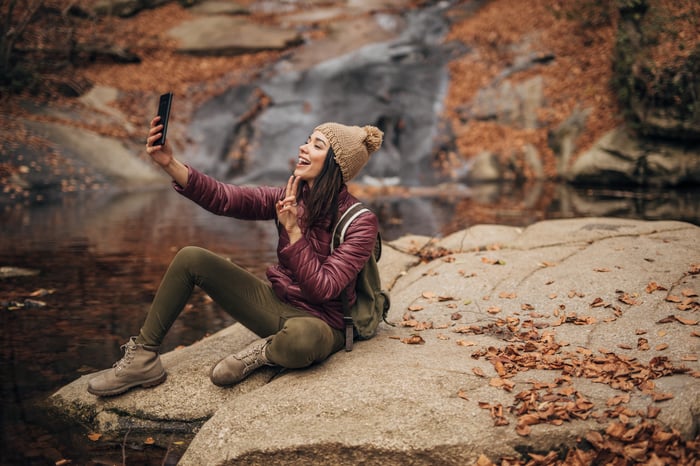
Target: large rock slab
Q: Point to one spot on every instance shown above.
(531, 336)
(110, 157)
(621, 158)
(230, 35)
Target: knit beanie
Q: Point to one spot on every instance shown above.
(352, 145)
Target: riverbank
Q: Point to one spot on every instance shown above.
(541, 337)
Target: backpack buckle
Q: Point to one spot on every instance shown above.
(349, 332)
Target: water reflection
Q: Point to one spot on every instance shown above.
(100, 258)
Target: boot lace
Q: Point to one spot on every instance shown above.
(251, 359)
(129, 350)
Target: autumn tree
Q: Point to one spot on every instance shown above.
(16, 16)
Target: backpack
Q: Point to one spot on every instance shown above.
(372, 305)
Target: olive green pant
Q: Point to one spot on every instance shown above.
(300, 339)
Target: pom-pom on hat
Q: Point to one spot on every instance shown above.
(352, 145)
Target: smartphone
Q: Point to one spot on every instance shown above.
(166, 101)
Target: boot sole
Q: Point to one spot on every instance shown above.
(118, 391)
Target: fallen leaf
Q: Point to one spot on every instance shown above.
(505, 384)
(529, 420)
(667, 320)
(486, 260)
(478, 371)
(493, 310)
(523, 430)
(616, 400)
(483, 461)
(413, 340)
(463, 395)
(465, 343)
(661, 347)
(653, 411)
(598, 302)
(628, 299)
(653, 286)
(423, 326)
(688, 293)
(149, 441)
(685, 321)
(428, 294)
(659, 396)
(94, 436)
(601, 269)
(42, 292)
(415, 308)
(506, 295)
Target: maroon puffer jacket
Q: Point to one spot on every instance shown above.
(307, 275)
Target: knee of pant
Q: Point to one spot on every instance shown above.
(188, 257)
(188, 254)
(300, 343)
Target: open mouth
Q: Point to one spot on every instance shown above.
(303, 161)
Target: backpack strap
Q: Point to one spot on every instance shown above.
(339, 230)
(344, 222)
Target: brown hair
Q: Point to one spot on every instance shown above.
(322, 199)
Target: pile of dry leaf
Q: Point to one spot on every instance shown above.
(628, 436)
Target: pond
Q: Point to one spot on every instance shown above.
(97, 259)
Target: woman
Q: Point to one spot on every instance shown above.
(298, 314)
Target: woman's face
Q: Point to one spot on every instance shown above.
(312, 156)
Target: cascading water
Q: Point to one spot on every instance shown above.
(398, 85)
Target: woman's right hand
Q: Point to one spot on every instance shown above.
(162, 155)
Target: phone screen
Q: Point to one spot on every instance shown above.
(164, 104)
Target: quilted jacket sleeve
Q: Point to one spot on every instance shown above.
(322, 277)
(247, 203)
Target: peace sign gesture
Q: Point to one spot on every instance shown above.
(287, 209)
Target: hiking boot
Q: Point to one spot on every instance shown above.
(140, 366)
(236, 367)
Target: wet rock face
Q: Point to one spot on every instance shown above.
(124, 8)
(397, 85)
(659, 100)
(621, 158)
